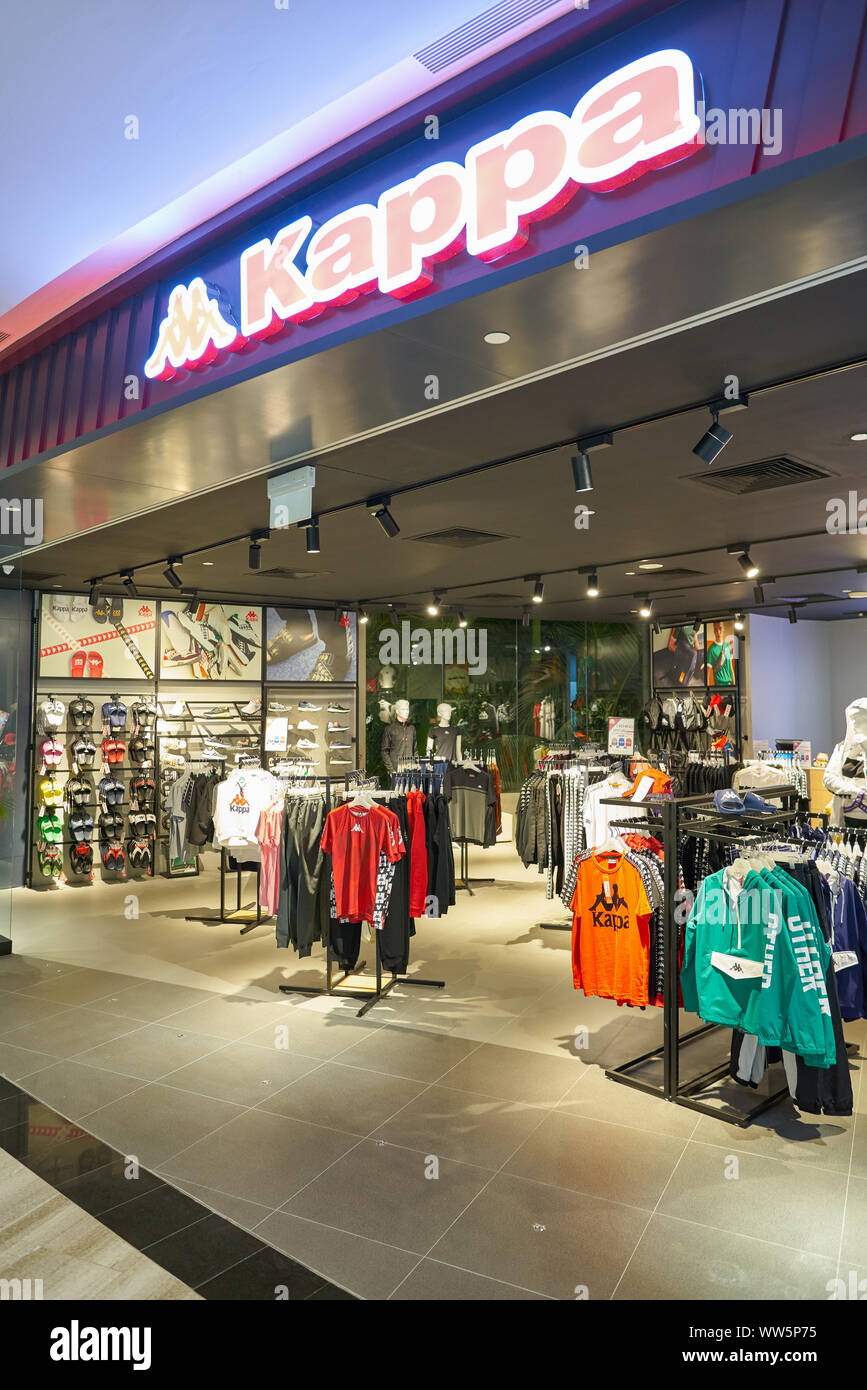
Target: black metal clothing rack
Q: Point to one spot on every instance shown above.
(694, 815)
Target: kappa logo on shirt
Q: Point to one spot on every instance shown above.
(239, 802)
(605, 911)
(357, 829)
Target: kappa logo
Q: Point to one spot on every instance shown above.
(357, 829)
(252, 617)
(239, 802)
(605, 913)
(193, 333)
(145, 611)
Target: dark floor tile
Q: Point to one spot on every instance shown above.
(204, 1250)
(331, 1294)
(109, 1186)
(266, 1276)
(153, 1216)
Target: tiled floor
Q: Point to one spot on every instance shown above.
(454, 1144)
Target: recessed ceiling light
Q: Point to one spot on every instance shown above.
(496, 338)
(650, 565)
(630, 571)
(858, 437)
(857, 593)
(207, 562)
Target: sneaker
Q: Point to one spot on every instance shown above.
(252, 707)
(275, 704)
(338, 709)
(334, 728)
(305, 724)
(306, 743)
(339, 762)
(176, 711)
(305, 704)
(337, 743)
(218, 712)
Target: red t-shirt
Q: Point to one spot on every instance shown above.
(355, 836)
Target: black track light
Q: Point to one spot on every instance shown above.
(192, 603)
(255, 556)
(793, 615)
(593, 584)
(462, 622)
(312, 534)
(656, 627)
(739, 622)
(128, 581)
(539, 589)
(696, 622)
(582, 473)
(713, 441)
(742, 551)
(379, 510)
(646, 609)
(362, 615)
(758, 594)
(433, 607)
(93, 596)
(170, 573)
(525, 618)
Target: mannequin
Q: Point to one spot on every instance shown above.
(444, 740)
(846, 773)
(399, 739)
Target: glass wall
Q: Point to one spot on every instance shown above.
(14, 737)
(514, 686)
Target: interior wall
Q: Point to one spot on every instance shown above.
(791, 692)
(847, 669)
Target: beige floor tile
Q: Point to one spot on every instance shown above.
(370, 1268)
(822, 1140)
(412, 1053)
(17, 1062)
(459, 1125)
(151, 1051)
(408, 1196)
(149, 1001)
(513, 1074)
(677, 1260)
(79, 986)
(19, 1010)
(74, 1088)
(598, 1158)
(313, 1032)
(432, 1282)
(228, 1016)
(247, 1215)
(344, 1098)
(782, 1201)
(855, 1229)
(241, 1073)
(566, 1245)
(156, 1122)
(70, 1032)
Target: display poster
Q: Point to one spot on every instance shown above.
(721, 653)
(802, 749)
(621, 736)
(115, 639)
(310, 644)
(277, 734)
(678, 656)
(210, 641)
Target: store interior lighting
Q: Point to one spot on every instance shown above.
(379, 509)
(539, 590)
(311, 532)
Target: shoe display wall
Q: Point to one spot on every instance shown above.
(311, 728)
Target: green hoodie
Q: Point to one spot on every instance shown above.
(748, 963)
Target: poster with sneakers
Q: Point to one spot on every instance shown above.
(210, 641)
(311, 644)
(115, 639)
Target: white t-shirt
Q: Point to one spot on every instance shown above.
(241, 799)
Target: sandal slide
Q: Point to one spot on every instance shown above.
(78, 608)
(94, 665)
(78, 665)
(115, 609)
(100, 609)
(61, 607)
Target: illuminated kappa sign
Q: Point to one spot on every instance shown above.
(639, 118)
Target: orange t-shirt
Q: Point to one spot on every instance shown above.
(611, 930)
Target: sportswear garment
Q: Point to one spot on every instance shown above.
(719, 661)
(650, 781)
(417, 853)
(303, 910)
(445, 741)
(81, 712)
(440, 856)
(268, 834)
(354, 837)
(240, 801)
(611, 930)
(595, 817)
(472, 805)
(398, 741)
(49, 715)
(114, 714)
(848, 923)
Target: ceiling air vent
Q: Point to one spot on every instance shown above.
(760, 476)
(461, 537)
(488, 25)
(279, 573)
(478, 601)
(4, 336)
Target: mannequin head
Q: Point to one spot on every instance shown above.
(444, 715)
(401, 709)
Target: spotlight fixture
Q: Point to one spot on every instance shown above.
(255, 552)
(462, 622)
(593, 584)
(696, 622)
(714, 440)
(656, 627)
(582, 473)
(525, 618)
(192, 603)
(538, 589)
(93, 596)
(311, 532)
(858, 437)
(758, 594)
(433, 607)
(742, 550)
(739, 622)
(362, 615)
(646, 609)
(793, 616)
(128, 578)
(379, 510)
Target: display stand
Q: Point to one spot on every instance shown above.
(371, 994)
(238, 913)
(694, 815)
(464, 880)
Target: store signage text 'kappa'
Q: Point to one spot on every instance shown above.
(641, 117)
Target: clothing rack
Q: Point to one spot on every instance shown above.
(693, 816)
(372, 995)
